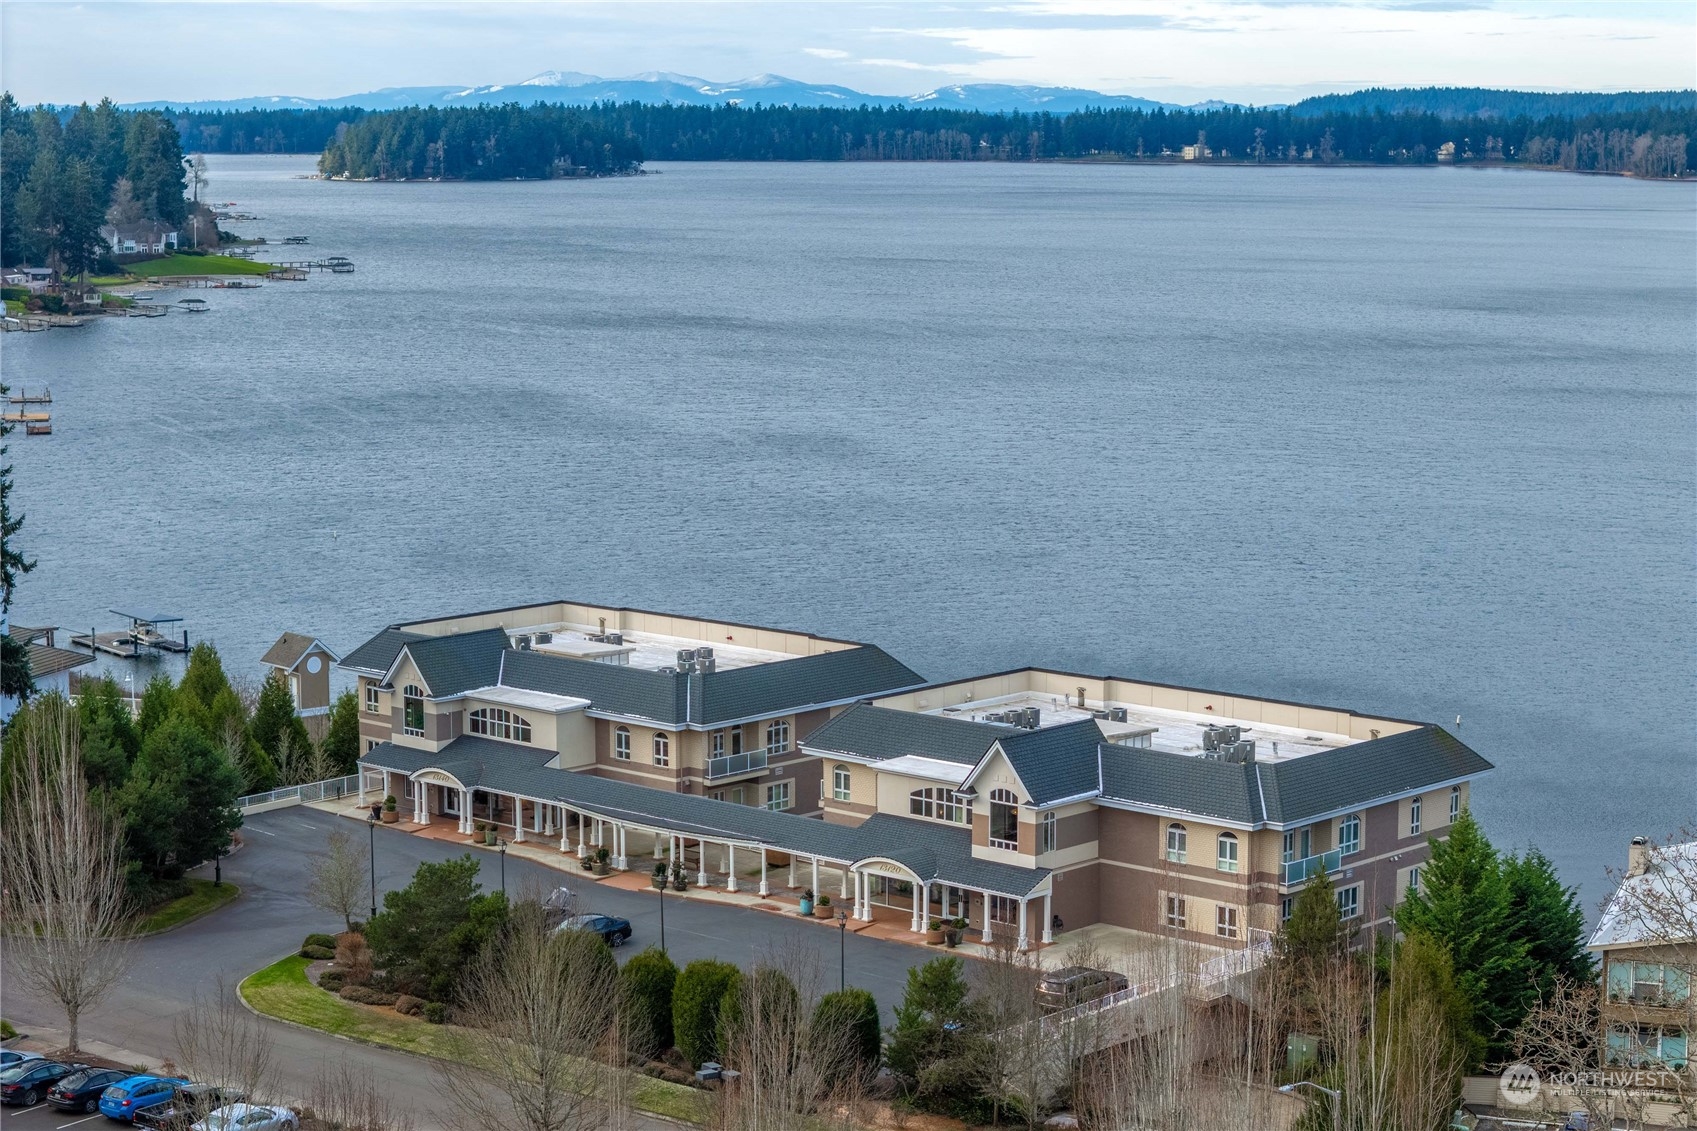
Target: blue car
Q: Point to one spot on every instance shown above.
(137, 1093)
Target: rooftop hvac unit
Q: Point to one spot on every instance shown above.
(522, 643)
(704, 653)
(1243, 751)
(614, 638)
(545, 638)
(686, 657)
(1033, 718)
(1117, 714)
(705, 663)
(1210, 738)
(1098, 714)
(1230, 734)
(993, 717)
(668, 671)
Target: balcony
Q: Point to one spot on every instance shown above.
(734, 765)
(1299, 871)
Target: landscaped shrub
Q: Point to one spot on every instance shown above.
(353, 955)
(365, 995)
(331, 980)
(318, 953)
(409, 1005)
(6, 1030)
(429, 931)
(696, 998)
(436, 1012)
(328, 942)
(648, 981)
(846, 1034)
(14, 294)
(764, 1002)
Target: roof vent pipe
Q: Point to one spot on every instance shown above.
(1638, 856)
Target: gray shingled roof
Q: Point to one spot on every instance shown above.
(934, 851)
(1161, 779)
(772, 689)
(376, 654)
(879, 733)
(618, 690)
(454, 664)
(1055, 762)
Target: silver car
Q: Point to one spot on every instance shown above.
(250, 1117)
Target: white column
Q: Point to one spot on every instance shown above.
(765, 888)
(565, 833)
(1023, 904)
(791, 882)
(537, 816)
(730, 867)
(919, 907)
(866, 897)
(815, 877)
(518, 819)
(582, 836)
(701, 869)
(619, 834)
(1048, 918)
(361, 770)
(659, 842)
(986, 935)
(845, 891)
(465, 810)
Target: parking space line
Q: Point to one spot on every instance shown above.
(313, 827)
(74, 1122)
(254, 830)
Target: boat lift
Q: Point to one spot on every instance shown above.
(143, 636)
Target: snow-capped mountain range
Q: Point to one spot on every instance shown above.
(573, 87)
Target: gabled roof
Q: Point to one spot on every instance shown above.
(375, 655)
(291, 648)
(1183, 783)
(1655, 907)
(616, 690)
(784, 685)
(451, 665)
(880, 733)
(1054, 763)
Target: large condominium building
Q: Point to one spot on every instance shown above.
(1027, 801)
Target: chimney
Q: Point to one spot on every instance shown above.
(1638, 856)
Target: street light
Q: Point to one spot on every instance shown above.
(1337, 1097)
(502, 846)
(662, 890)
(842, 949)
(371, 830)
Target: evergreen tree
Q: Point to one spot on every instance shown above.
(850, 1013)
(697, 1000)
(1316, 934)
(1464, 904)
(158, 704)
(1422, 976)
(274, 717)
(154, 164)
(431, 929)
(109, 739)
(341, 737)
(648, 980)
(178, 804)
(1547, 917)
(81, 212)
(935, 997)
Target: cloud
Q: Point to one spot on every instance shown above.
(825, 53)
(909, 65)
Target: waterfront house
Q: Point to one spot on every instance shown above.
(145, 237)
(1646, 942)
(1025, 802)
(50, 666)
(304, 663)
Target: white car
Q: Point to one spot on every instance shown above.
(249, 1117)
(9, 1057)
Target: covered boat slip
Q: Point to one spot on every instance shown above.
(905, 867)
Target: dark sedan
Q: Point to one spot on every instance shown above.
(612, 929)
(80, 1091)
(27, 1082)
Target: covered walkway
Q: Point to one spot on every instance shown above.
(889, 869)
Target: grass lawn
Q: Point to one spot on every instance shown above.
(13, 306)
(109, 280)
(202, 899)
(281, 990)
(197, 265)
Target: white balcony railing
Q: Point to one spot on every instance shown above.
(1296, 871)
(730, 765)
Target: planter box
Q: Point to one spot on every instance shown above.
(823, 911)
(600, 868)
(390, 816)
(933, 938)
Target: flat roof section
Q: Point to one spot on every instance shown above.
(1177, 732)
(646, 650)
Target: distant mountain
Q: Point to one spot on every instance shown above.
(659, 87)
(1471, 102)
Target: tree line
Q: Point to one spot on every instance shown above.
(494, 142)
(64, 174)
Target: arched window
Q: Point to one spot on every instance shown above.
(1455, 803)
(1178, 843)
(1349, 834)
(497, 722)
(1046, 833)
(621, 743)
(1225, 859)
(777, 736)
(662, 750)
(1004, 819)
(412, 710)
(1414, 815)
(841, 783)
(940, 805)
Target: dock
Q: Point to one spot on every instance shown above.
(26, 417)
(140, 639)
(23, 396)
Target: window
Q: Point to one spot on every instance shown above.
(1455, 803)
(940, 805)
(662, 750)
(621, 743)
(1004, 910)
(840, 784)
(370, 745)
(1046, 833)
(1285, 906)
(412, 710)
(1004, 819)
(373, 699)
(1226, 858)
(777, 736)
(778, 796)
(1225, 922)
(1349, 902)
(497, 722)
(1296, 845)
(1175, 911)
(1414, 816)
(716, 744)
(1414, 878)
(1178, 842)
(406, 789)
(1349, 834)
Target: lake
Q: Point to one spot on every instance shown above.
(1416, 442)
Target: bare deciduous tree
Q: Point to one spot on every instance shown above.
(538, 1007)
(65, 904)
(336, 878)
(347, 1098)
(220, 1042)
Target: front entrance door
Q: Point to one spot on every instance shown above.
(450, 801)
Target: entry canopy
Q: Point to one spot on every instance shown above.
(145, 617)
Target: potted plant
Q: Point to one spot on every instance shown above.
(659, 877)
(822, 909)
(952, 930)
(680, 881)
(391, 811)
(489, 836)
(807, 902)
(934, 932)
(587, 863)
(602, 856)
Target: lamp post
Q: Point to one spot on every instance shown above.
(662, 891)
(842, 949)
(371, 830)
(501, 846)
(1336, 1096)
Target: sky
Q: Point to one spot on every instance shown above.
(1256, 51)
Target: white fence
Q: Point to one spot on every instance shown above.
(299, 794)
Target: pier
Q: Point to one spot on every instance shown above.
(140, 639)
(24, 396)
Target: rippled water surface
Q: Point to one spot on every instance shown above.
(1414, 442)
